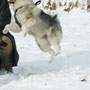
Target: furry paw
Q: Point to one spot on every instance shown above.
(24, 34)
(57, 53)
(5, 31)
(52, 54)
(51, 59)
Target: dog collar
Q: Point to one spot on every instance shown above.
(16, 20)
(38, 2)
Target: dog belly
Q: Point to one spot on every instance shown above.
(39, 30)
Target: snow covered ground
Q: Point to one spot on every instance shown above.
(69, 71)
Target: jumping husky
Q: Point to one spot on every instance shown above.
(33, 21)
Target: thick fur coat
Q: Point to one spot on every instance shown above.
(33, 21)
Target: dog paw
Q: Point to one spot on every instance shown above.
(50, 60)
(5, 31)
(57, 53)
(24, 34)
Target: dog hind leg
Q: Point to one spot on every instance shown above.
(44, 45)
(54, 40)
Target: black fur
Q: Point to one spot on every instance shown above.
(16, 20)
(38, 2)
(51, 20)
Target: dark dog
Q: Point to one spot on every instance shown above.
(5, 54)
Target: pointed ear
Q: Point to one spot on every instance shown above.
(38, 2)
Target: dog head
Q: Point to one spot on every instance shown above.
(13, 1)
(20, 3)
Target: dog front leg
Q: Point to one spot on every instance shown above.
(6, 29)
(24, 30)
(52, 54)
(26, 27)
(12, 27)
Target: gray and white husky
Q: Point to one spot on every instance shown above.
(33, 21)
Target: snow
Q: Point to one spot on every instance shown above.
(69, 71)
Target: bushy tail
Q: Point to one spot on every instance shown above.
(55, 17)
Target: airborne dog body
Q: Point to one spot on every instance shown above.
(31, 20)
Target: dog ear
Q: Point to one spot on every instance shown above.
(38, 2)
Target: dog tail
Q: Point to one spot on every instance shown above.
(55, 17)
